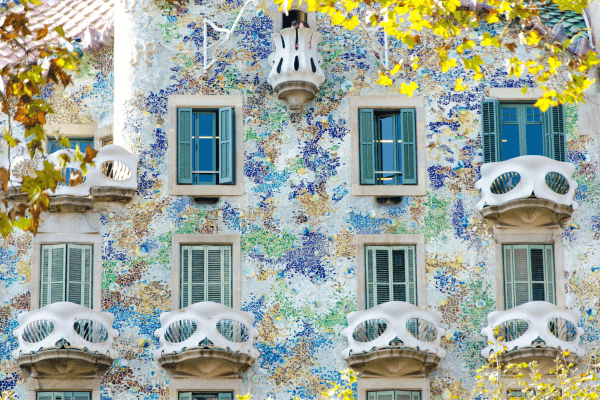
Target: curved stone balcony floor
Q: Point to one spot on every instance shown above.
(404, 362)
(532, 212)
(544, 356)
(207, 363)
(65, 363)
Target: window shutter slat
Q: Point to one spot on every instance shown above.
(370, 272)
(184, 274)
(75, 272)
(88, 253)
(57, 273)
(509, 301)
(197, 274)
(214, 275)
(549, 273)
(366, 122)
(409, 147)
(554, 130)
(227, 276)
(226, 146)
(521, 274)
(184, 145)
(412, 275)
(490, 131)
(45, 276)
(185, 395)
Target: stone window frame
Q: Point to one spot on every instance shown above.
(177, 385)
(311, 17)
(80, 131)
(95, 239)
(417, 240)
(234, 240)
(38, 384)
(542, 235)
(372, 384)
(206, 102)
(389, 103)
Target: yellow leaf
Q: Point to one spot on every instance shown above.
(384, 79)
(408, 89)
(524, 90)
(459, 87)
(396, 69)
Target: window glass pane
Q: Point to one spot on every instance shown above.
(399, 266)
(534, 115)
(107, 141)
(204, 139)
(510, 140)
(83, 143)
(535, 139)
(387, 143)
(509, 114)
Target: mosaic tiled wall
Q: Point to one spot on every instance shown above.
(297, 218)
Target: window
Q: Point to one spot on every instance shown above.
(395, 395)
(64, 395)
(205, 396)
(390, 274)
(82, 143)
(513, 129)
(388, 147)
(297, 15)
(528, 274)
(205, 274)
(66, 274)
(205, 146)
(107, 141)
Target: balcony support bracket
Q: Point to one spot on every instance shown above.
(206, 363)
(531, 212)
(393, 363)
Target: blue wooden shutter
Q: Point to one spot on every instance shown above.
(366, 121)
(225, 396)
(490, 131)
(185, 395)
(185, 145)
(226, 146)
(409, 147)
(554, 133)
(79, 274)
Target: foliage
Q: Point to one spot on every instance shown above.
(7, 395)
(45, 57)
(453, 33)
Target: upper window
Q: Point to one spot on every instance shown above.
(512, 129)
(394, 395)
(205, 274)
(294, 15)
(66, 274)
(64, 396)
(106, 141)
(205, 395)
(205, 146)
(528, 274)
(390, 274)
(81, 143)
(388, 147)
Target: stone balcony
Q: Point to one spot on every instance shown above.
(113, 178)
(206, 340)
(527, 191)
(394, 339)
(65, 340)
(296, 74)
(535, 331)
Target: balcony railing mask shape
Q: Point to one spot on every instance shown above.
(65, 325)
(206, 324)
(296, 62)
(525, 325)
(393, 324)
(114, 167)
(520, 177)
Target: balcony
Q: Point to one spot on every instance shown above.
(537, 330)
(113, 178)
(392, 340)
(65, 340)
(296, 74)
(206, 340)
(530, 191)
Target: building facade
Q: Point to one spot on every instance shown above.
(262, 223)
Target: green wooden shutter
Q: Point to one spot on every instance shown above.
(521, 274)
(366, 120)
(528, 274)
(56, 279)
(225, 396)
(370, 273)
(216, 280)
(185, 395)
(184, 292)
(185, 145)
(509, 300)
(404, 395)
(409, 147)
(197, 263)
(226, 146)
(490, 131)
(554, 133)
(45, 276)
(227, 275)
(382, 279)
(45, 395)
(82, 396)
(549, 274)
(411, 275)
(385, 395)
(68, 395)
(79, 274)
(372, 396)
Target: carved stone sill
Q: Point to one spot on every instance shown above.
(207, 363)
(64, 364)
(296, 93)
(70, 203)
(545, 357)
(14, 194)
(531, 212)
(112, 194)
(394, 363)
